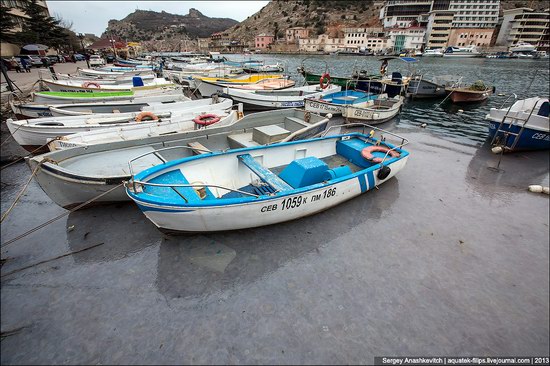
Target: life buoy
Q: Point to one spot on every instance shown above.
(87, 84)
(324, 80)
(142, 115)
(206, 119)
(367, 153)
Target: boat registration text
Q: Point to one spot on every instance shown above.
(297, 201)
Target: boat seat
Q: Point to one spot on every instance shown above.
(304, 172)
(263, 173)
(241, 140)
(297, 120)
(351, 150)
(198, 148)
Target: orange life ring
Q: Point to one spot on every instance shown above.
(325, 77)
(367, 153)
(87, 84)
(142, 115)
(206, 119)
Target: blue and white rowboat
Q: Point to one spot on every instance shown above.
(335, 103)
(263, 185)
(534, 135)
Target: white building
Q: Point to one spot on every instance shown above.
(410, 38)
(439, 28)
(401, 13)
(321, 44)
(475, 13)
(359, 39)
(524, 25)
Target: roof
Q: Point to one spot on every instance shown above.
(106, 43)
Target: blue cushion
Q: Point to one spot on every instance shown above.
(304, 172)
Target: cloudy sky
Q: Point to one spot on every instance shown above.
(92, 16)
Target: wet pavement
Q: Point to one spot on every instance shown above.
(447, 258)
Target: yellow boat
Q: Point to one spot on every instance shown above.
(245, 79)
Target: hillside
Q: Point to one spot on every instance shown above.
(323, 16)
(147, 25)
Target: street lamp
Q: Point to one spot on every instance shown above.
(81, 37)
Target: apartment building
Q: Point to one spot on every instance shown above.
(17, 11)
(262, 41)
(475, 13)
(479, 37)
(400, 13)
(409, 38)
(323, 43)
(439, 28)
(296, 33)
(362, 38)
(524, 25)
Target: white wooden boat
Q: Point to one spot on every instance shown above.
(207, 88)
(79, 109)
(277, 99)
(263, 185)
(73, 176)
(102, 81)
(335, 103)
(39, 105)
(193, 120)
(380, 110)
(76, 86)
(111, 74)
(33, 134)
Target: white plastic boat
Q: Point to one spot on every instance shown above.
(434, 52)
(470, 51)
(377, 111)
(522, 47)
(277, 99)
(76, 85)
(263, 185)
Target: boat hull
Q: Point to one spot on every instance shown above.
(378, 113)
(469, 96)
(267, 211)
(530, 139)
(425, 89)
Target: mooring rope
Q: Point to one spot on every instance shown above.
(59, 217)
(6, 213)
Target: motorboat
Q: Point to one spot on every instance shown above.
(422, 88)
(207, 88)
(470, 51)
(522, 126)
(522, 47)
(263, 185)
(433, 52)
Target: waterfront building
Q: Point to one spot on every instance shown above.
(438, 28)
(296, 33)
(359, 39)
(323, 43)
(262, 41)
(401, 13)
(409, 38)
(475, 13)
(524, 25)
(479, 37)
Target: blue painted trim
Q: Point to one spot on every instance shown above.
(363, 183)
(370, 177)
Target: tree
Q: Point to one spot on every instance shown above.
(40, 28)
(6, 24)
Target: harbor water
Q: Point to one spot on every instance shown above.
(450, 257)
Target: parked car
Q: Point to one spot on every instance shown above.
(110, 58)
(96, 60)
(79, 57)
(53, 59)
(32, 60)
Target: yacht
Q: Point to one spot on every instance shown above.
(469, 51)
(523, 47)
(434, 52)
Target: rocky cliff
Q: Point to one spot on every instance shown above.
(147, 25)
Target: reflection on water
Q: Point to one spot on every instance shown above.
(488, 181)
(199, 265)
(467, 127)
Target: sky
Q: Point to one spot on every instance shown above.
(92, 16)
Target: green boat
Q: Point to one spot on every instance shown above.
(344, 82)
(78, 97)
